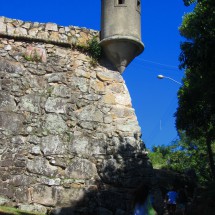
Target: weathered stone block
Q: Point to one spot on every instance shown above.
(7, 47)
(21, 180)
(83, 39)
(98, 86)
(61, 91)
(70, 197)
(34, 139)
(11, 67)
(2, 19)
(4, 200)
(7, 102)
(30, 103)
(126, 126)
(81, 168)
(33, 32)
(2, 28)
(90, 113)
(44, 195)
(6, 85)
(6, 191)
(84, 146)
(119, 111)
(26, 25)
(43, 35)
(79, 145)
(35, 150)
(20, 163)
(52, 145)
(55, 105)
(109, 76)
(33, 208)
(81, 83)
(11, 123)
(109, 99)
(123, 99)
(50, 181)
(10, 29)
(21, 31)
(51, 27)
(41, 166)
(17, 170)
(55, 124)
(54, 36)
(6, 163)
(61, 52)
(56, 78)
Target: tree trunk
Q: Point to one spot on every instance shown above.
(210, 156)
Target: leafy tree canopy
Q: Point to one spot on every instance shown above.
(184, 156)
(189, 2)
(196, 112)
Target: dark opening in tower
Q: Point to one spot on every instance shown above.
(121, 1)
(138, 5)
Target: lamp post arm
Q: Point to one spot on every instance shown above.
(173, 80)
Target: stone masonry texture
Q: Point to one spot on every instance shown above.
(69, 137)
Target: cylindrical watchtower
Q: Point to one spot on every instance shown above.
(121, 31)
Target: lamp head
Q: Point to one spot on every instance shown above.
(160, 76)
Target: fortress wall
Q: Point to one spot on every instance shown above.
(69, 137)
(45, 32)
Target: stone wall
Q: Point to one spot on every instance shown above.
(69, 137)
(45, 32)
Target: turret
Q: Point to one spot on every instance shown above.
(121, 31)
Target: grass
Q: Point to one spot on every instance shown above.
(13, 211)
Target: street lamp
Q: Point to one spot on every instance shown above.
(162, 77)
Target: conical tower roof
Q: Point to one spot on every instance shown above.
(121, 50)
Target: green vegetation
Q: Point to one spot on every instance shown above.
(195, 115)
(14, 211)
(93, 49)
(32, 56)
(184, 155)
(50, 90)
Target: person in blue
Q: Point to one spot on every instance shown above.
(171, 200)
(143, 202)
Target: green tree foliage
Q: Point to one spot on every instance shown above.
(158, 156)
(196, 112)
(189, 2)
(183, 155)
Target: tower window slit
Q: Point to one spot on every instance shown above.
(121, 1)
(138, 5)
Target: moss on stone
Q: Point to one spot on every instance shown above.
(13, 211)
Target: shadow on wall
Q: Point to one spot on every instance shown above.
(113, 193)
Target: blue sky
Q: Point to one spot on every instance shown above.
(154, 100)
